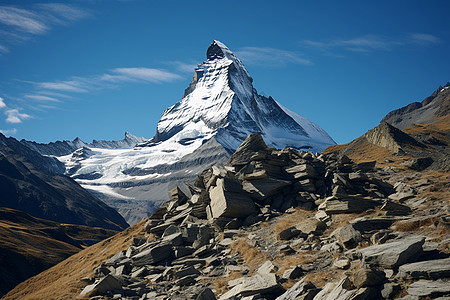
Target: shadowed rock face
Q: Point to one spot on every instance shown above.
(387, 136)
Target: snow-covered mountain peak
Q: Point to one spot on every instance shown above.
(222, 102)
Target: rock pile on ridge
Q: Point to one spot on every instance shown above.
(228, 227)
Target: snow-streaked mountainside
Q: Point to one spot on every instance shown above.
(221, 101)
(218, 110)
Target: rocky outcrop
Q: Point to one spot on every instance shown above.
(198, 236)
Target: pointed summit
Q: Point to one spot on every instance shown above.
(222, 102)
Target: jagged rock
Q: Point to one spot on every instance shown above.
(424, 288)
(293, 273)
(418, 164)
(102, 286)
(365, 277)
(206, 294)
(311, 226)
(395, 208)
(300, 290)
(336, 291)
(393, 254)
(343, 263)
(257, 284)
(153, 255)
(364, 224)
(389, 290)
(348, 236)
(430, 269)
(347, 205)
(229, 204)
(251, 145)
(172, 229)
(190, 271)
(267, 267)
(266, 187)
(203, 236)
(289, 233)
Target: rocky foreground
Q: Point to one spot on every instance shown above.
(282, 224)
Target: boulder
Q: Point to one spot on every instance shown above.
(293, 273)
(311, 226)
(153, 255)
(365, 277)
(289, 233)
(430, 269)
(393, 254)
(257, 284)
(348, 236)
(229, 204)
(267, 268)
(429, 288)
(108, 283)
(249, 147)
(300, 290)
(206, 294)
(364, 224)
(264, 187)
(347, 205)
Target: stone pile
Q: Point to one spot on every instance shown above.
(187, 244)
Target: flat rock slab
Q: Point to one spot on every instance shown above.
(347, 205)
(423, 288)
(153, 255)
(265, 187)
(230, 204)
(430, 269)
(258, 284)
(393, 254)
(105, 284)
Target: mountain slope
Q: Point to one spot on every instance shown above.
(424, 135)
(436, 105)
(30, 188)
(29, 245)
(218, 110)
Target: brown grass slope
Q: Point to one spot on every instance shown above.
(63, 281)
(29, 245)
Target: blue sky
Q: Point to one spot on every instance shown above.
(95, 69)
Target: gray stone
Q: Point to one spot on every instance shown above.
(348, 236)
(430, 269)
(424, 288)
(395, 208)
(393, 254)
(343, 263)
(364, 224)
(153, 255)
(187, 280)
(336, 291)
(175, 239)
(172, 229)
(266, 187)
(203, 236)
(389, 290)
(267, 267)
(229, 204)
(190, 271)
(311, 226)
(206, 294)
(293, 273)
(347, 205)
(257, 284)
(102, 286)
(365, 277)
(295, 291)
(289, 233)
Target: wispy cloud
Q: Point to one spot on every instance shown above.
(19, 24)
(139, 74)
(270, 56)
(370, 43)
(42, 98)
(9, 132)
(2, 103)
(15, 116)
(182, 66)
(77, 85)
